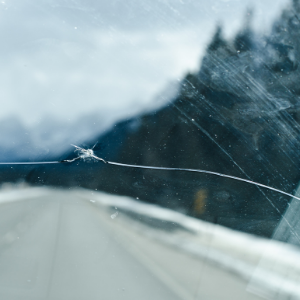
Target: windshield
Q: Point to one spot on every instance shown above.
(149, 149)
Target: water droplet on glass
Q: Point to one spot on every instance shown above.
(193, 120)
(113, 216)
(137, 198)
(93, 201)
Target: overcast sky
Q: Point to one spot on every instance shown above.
(69, 58)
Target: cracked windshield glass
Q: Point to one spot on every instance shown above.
(150, 149)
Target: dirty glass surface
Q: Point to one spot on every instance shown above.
(149, 149)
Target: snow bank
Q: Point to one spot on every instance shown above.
(271, 267)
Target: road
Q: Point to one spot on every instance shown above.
(60, 246)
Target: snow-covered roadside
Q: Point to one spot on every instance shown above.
(271, 267)
(19, 194)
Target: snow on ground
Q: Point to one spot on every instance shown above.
(271, 267)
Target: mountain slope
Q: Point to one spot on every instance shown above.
(238, 115)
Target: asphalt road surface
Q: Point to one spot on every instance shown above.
(60, 246)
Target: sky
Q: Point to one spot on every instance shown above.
(67, 59)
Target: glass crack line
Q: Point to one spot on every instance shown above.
(30, 163)
(205, 172)
(89, 154)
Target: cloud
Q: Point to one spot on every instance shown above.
(70, 58)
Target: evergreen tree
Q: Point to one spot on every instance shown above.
(217, 41)
(244, 41)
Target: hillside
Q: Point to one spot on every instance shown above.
(238, 115)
